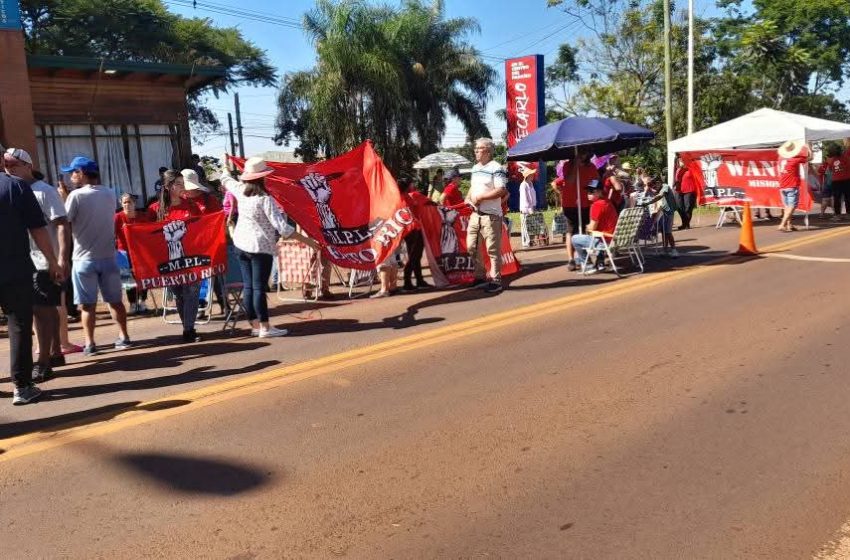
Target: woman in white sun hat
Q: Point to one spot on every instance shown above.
(794, 157)
(255, 238)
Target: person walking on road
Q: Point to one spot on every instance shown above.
(91, 207)
(794, 156)
(19, 214)
(47, 295)
(488, 187)
(260, 221)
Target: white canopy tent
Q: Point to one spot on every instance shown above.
(763, 128)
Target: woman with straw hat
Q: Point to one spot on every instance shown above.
(794, 156)
(527, 203)
(255, 238)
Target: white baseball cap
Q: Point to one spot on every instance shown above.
(18, 154)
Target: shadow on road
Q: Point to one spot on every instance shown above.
(164, 358)
(193, 475)
(202, 373)
(82, 417)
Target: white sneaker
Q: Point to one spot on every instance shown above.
(141, 308)
(674, 254)
(272, 332)
(255, 332)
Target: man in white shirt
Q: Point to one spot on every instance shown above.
(488, 187)
(91, 210)
(47, 294)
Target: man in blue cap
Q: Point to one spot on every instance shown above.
(91, 208)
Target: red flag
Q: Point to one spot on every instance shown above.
(444, 230)
(177, 252)
(350, 204)
(731, 177)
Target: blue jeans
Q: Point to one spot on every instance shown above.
(186, 298)
(583, 245)
(256, 269)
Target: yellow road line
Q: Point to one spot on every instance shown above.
(205, 396)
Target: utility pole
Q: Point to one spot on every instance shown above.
(668, 77)
(239, 126)
(690, 66)
(230, 131)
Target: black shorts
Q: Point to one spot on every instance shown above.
(44, 290)
(571, 214)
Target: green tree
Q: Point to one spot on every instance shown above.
(775, 53)
(145, 31)
(392, 75)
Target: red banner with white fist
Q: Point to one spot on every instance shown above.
(445, 230)
(350, 204)
(732, 177)
(177, 252)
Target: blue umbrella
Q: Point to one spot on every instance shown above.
(564, 139)
(561, 139)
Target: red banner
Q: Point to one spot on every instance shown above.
(525, 90)
(177, 252)
(445, 243)
(732, 177)
(350, 204)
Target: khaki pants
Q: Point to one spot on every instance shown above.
(490, 228)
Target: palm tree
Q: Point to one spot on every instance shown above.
(389, 75)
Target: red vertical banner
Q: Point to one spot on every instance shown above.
(525, 105)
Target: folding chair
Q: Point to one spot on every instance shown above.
(361, 279)
(534, 228)
(128, 282)
(298, 268)
(559, 226)
(204, 313)
(233, 292)
(624, 240)
(725, 211)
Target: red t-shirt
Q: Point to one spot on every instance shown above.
(452, 195)
(570, 191)
(121, 218)
(177, 211)
(605, 215)
(789, 172)
(686, 182)
(840, 168)
(609, 192)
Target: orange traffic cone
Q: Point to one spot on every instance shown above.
(747, 242)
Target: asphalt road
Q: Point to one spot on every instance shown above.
(696, 411)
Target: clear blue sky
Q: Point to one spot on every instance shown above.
(508, 28)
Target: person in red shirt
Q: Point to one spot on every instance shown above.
(173, 205)
(613, 187)
(686, 188)
(129, 215)
(839, 162)
(451, 191)
(414, 240)
(569, 193)
(603, 218)
(794, 156)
